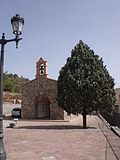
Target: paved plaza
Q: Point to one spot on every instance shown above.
(57, 140)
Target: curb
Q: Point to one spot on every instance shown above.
(115, 129)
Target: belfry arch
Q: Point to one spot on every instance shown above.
(41, 68)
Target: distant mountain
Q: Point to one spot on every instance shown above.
(13, 83)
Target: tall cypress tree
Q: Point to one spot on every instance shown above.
(84, 84)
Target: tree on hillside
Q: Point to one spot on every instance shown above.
(12, 82)
(84, 84)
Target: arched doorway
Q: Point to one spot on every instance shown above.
(43, 108)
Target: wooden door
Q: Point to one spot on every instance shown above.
(41, 110)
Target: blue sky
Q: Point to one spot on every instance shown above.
(52, 29)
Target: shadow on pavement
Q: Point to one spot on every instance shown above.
(59, 127)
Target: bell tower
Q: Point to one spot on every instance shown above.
(41, 68)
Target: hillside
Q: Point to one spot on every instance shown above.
(13, 83)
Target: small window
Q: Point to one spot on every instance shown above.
(117, 108)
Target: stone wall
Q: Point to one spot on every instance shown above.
(117, 103)
(34, 91)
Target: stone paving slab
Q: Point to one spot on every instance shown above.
(31, 142)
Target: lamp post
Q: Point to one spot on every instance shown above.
(17, 24)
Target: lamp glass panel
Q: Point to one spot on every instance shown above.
(17, 26)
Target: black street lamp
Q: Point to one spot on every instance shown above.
(17, 24)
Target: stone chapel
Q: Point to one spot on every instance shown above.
(39, 96)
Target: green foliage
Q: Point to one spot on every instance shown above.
(84, 83)
(12, 83)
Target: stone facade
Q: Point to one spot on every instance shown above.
(117, 103)
(39, 96)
